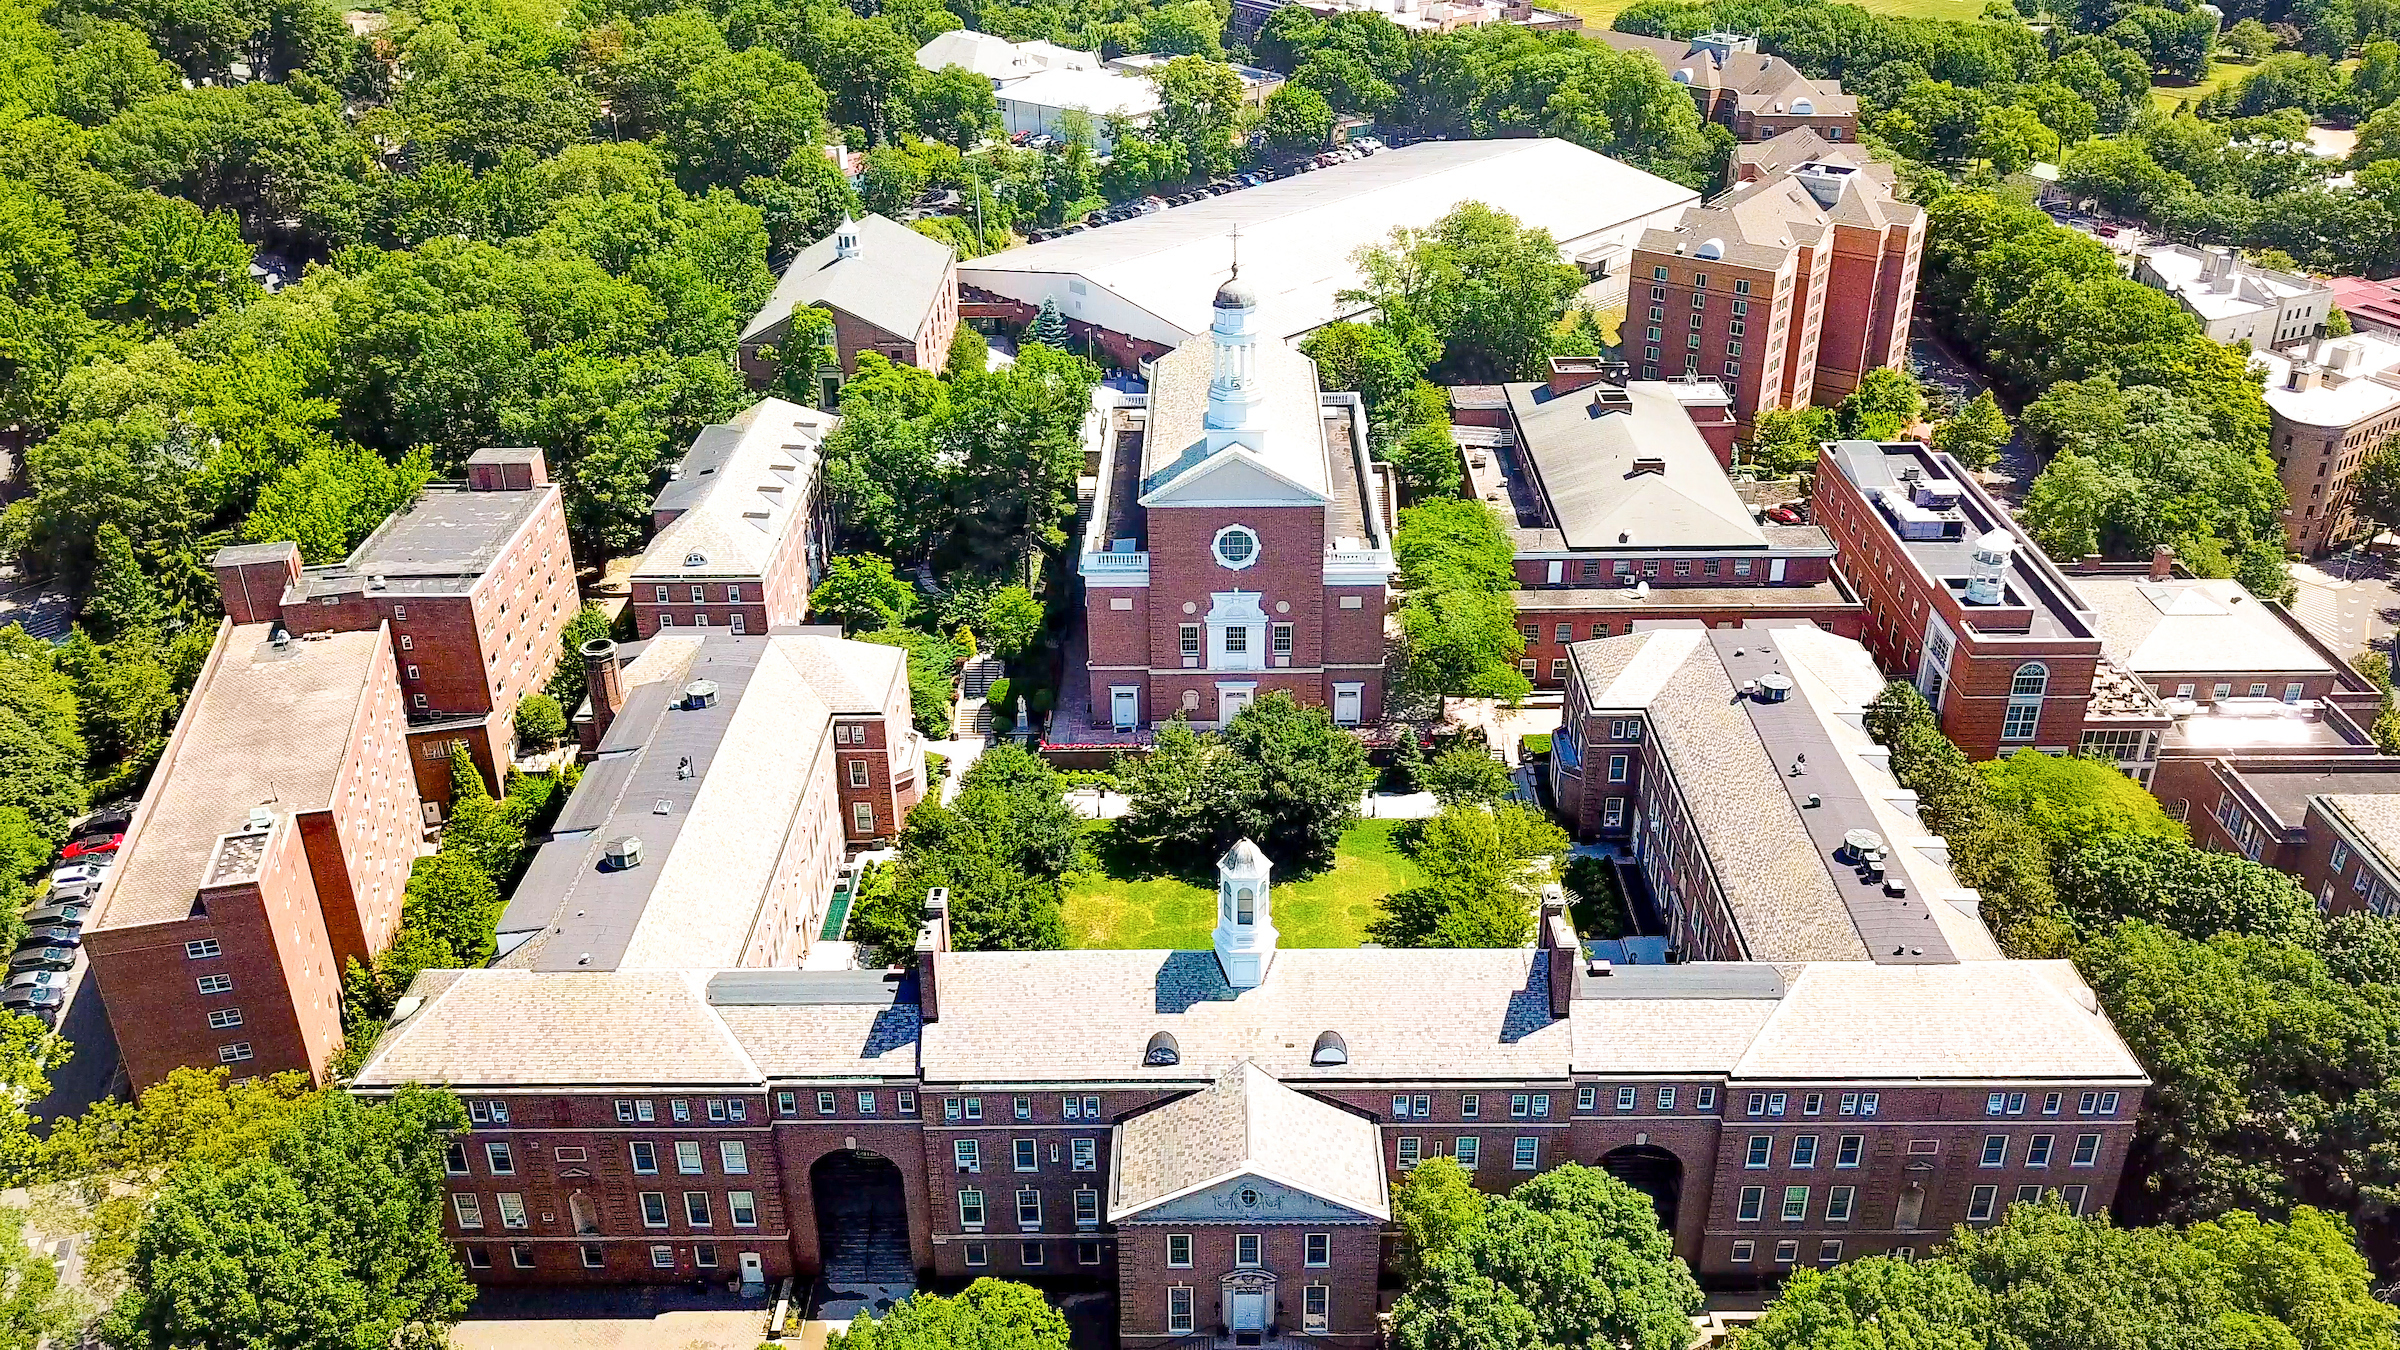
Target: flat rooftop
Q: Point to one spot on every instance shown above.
(2285, 790)
(439, 544)
(269, 727)
(1819, 595)
(2187, 625)
(2035, 593)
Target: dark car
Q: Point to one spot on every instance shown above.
(41, 958)
(42, 1003)
(90, 845)
(107, 820)
(52, 935)
(71, 913)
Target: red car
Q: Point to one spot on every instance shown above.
(1787, 515)
(98, 843)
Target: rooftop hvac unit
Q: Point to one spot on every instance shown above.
(260, 819)
(624, 854)
(700, 694)
(1774, 687)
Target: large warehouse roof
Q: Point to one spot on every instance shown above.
(1155, 273)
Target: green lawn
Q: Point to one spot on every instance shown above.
(1120, 905)
(1599, 13)
(2167, 93)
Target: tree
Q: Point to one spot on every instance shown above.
(335, 1238)
(1180, 797)
(199, 1116)
(932, 675)
(1000, 849)
(1199, 101)
(1877, 1301)
(860, 592)
(1887, 401)
(742, 115)
(1011, 622)
(121, 596)
(2109, 877)
(1297, 119)
(1976, 435)
(1435, 1202)
(590, 624)
(1485, 868)
(1302, 777)
(955, 106)
(1491, 292)
(988, 1314)
(803, 202)
(2375, 490)
(968, 351)
(1049, 327)
(1785, 440)
(2249, 39)
(2362, 948)
(1466, 774)
(539, 722)
(2068, 799)
(1571, 1258)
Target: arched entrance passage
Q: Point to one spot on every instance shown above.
(862, 1219)
(1654, 1172)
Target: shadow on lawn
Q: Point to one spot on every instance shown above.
(1119, 858)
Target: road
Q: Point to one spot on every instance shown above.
(2348, 605)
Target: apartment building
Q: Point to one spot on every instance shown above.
(726, 779)
(2235, 300)
(473, 582)
(1616, 498)
(1215, 1134)
(1756, 96)
(2331, 404)
(1786, 290)
(740, 531)
(272, 845)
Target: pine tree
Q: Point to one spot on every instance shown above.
(1048, 327)
(122, 598)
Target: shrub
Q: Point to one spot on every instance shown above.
(540, 722)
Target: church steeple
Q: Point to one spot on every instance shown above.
(1234, 396)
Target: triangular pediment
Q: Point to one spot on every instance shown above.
(1233, 476)
(1253, 1197)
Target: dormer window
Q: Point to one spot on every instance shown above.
(1161, 1052)
(1330, 1049)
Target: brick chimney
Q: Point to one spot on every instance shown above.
(1560, 948)
(507, 468)
(604, 684)
(1570, 373)
(251, 578)
(933, 939)
(2162, 562)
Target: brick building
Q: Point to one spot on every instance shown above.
(740, 531)
(1616, 497)
(1239, 542)
(2330, 405)
(1755, 96)
(1787, 289)
(473, 581)
(890, 290)
(1215, 1134)
(2327, 815)
(271, 846)
(727, 778)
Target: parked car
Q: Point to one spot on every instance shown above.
(39, 979)
(91, 844)
(42, 1003)
(1790, 513)
(83, 869)
(52, 935)
(107, 820)
(41, 958)
(70, 912)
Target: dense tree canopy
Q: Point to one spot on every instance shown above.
(1280, 774)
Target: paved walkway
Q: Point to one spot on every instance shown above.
(626, 1318)
(960, 753)
(2347, 605)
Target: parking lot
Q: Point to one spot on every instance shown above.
(1360, 148)
(49, 978)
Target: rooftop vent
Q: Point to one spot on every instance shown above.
(1774, 687)
(1610, 398)
(1161, 1051)
(623, 854)
(1648, 464)
(377, 582)
(1330, 1049)
(260, 819)
(1598, 966)
(279, 637)
(700, 694)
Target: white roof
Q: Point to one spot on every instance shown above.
(2246, 289)
(2369, 388)
(1298, 233)
(997, 58)
(1287, 467)
(1102, 93)
(1247, 1124)
(1859, 1020)
(742, 485)
(2188, 625)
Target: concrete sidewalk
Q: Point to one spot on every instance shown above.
(624, 1318)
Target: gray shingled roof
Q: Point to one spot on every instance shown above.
(1247, 1124)
(1975, 1019)
(892, 282)
(1583, 457)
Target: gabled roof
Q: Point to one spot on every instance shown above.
(891, 283)
(1246, 1124)
(2192, 625)
(1629, 471)
(740, 488)
(1291, 453)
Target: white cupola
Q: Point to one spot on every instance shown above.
(845, 239)
(1245, 938)
(1234, 396)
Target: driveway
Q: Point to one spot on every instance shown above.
(2349, 606)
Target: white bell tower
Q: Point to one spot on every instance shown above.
(1245, 938)
(1234, 397)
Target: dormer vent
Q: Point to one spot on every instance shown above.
(1161, 1052)
(1330, 1049)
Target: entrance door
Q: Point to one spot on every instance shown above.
(1345, 707)
(1124, 707)
(754, 1273)
(1249, 1316)
(1230, 703)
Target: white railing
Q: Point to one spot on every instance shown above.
(1116, 562)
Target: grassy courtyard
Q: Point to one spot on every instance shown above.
(1121, 903)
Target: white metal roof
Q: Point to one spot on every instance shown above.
(1298, 233)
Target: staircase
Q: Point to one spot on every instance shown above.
(975, 678)
(971, 720)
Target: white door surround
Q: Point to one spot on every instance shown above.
(1237, 632)
(1232, 697)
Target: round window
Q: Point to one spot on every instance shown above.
(1236, 546)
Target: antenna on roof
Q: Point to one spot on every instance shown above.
(1236, 237)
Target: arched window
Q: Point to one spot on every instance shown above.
(1162, 1051)
(1245, 902)
(2032, 681)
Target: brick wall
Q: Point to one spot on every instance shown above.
(1353, 1261)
